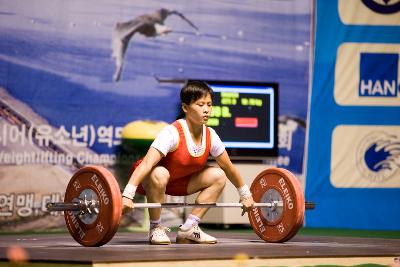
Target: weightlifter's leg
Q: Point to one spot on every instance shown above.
(210, 182)
(154, 186)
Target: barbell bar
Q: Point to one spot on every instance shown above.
(93, 205)
(76, 206)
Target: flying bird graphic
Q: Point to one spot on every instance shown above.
(149, 25)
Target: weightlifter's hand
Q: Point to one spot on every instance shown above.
(247, 203)
(127, 205)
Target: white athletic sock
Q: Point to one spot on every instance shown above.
(154, 224)
(191, 221)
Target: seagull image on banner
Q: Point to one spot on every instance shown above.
(150, 25)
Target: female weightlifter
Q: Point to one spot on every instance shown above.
(176, 164)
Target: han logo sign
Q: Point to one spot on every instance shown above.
(367, 74)
(378, 75)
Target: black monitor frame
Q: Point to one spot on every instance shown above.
(252, 153)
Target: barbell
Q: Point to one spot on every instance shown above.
(93, 205)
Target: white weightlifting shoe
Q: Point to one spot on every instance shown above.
(157, 236)
(194, 235)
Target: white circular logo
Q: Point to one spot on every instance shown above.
(378, 156)
(383, 6)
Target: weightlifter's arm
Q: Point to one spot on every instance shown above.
(151, 159)
(233, 175)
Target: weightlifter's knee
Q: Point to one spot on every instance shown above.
(158, 179)
(219, 177)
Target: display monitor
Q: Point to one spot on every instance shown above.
(245, 116)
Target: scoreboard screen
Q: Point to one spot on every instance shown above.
(245, 116)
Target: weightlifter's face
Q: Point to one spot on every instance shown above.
(198, 111)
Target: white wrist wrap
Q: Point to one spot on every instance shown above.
(244, 191)
(129, 191)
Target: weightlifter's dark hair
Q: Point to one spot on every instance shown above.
(192, 91)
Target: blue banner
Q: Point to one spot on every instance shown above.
(353, 170)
